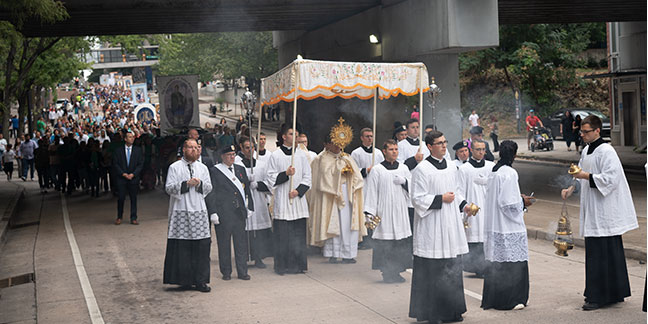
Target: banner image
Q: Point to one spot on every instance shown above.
(178, 97)
(145, 113)
(139, 93)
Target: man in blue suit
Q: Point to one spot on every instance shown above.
(127, 168)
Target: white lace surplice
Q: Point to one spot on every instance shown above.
(505, 232)
(188, 218)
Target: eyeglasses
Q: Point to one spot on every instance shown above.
(441, 143)
(586, 131)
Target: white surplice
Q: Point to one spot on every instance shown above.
(438, 233)
(389, 201)
(279, 162)
(259, 218)
(363, 156)
(606, 210)
(473, 185)
(505, 234)
(188, 219)
(406, 149)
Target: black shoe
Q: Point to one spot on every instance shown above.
(333, 260)
(454, 320)
(388, 278)
(399, 278)
(244, 277)
(591, 306)
(349, 261)
(259, 264)
(203, 288)
(227, 277)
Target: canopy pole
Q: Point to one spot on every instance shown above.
(373, 149)
(258, 134)
(294, 126)
(421, 139)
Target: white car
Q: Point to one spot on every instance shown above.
(60, 103)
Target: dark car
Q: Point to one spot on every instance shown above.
(553, 121)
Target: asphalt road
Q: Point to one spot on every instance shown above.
(124, 265)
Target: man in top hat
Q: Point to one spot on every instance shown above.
(228, 205)
(477, 133)
(461, 153)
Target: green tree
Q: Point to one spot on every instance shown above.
(20, 53)
(538, 59)
(230, 55)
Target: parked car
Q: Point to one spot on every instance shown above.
(553, 121)
(61, 103)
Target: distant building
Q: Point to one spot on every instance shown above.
(627, 72)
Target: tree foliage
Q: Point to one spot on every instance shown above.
(538, 59)
(228, 55)
(30, 63)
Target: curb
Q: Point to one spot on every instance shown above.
(540, 234)
(9, 213)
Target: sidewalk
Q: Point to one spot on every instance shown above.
(632, 162)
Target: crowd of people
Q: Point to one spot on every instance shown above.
(411, 202)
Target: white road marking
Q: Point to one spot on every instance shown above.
(91, 301)
(466, 291)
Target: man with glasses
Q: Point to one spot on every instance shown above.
(439, 239)
(606, 212)
(477, 133)
(473, 178)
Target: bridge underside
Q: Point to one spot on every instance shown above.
(117, 17)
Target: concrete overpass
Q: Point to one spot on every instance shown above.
(430, 31)
(118, 17)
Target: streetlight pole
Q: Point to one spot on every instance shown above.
(517, 109)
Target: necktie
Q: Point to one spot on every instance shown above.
(128, 155)
(190, 171)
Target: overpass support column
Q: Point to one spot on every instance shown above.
(435, 32)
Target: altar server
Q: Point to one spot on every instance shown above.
(473, 177)
(387, 196)
(290, 206)
(506, 281)
(363, 155)
(606, 213)
(439, 240)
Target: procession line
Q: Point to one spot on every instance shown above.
(91, 301)
(466, 291)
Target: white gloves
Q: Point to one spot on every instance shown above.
(253, 184)
(251, 177)
(214, 218)
(399, 180)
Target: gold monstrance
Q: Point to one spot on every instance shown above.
(341, 135)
